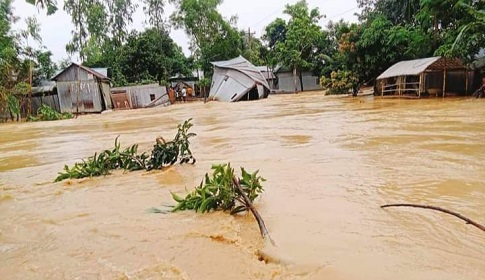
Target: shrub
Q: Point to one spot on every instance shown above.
(340, 82)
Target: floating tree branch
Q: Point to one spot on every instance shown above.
(249, 205)
(459, 216)
(163, 154)
(223, 191)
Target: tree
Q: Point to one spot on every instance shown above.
(302, 36)
(78, 10)
(98, 21)
(253, 49)
(396, 11)
(151, 55)
(49, 5)
(275, 33)
(213, 37)
(45, 67)
(473, 30)
(120, 15)
(155, 10)
(146, 56)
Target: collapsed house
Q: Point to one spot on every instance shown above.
(142, 96)
(82, 90)
(433, 76)
(237, 79)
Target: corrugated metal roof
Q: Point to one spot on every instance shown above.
(408, 68)
(267, 73)
(242, 65)
(95, 73)
(102, 71)
(418, 66)
(43, 89)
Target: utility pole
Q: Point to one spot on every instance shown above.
(29, 110)
(249, 39)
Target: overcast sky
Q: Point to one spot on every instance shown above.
(254, 14)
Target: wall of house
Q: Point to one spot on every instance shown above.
(286, 83)
(50, 99)
(144, 95)
(79, 92)
(455, 82)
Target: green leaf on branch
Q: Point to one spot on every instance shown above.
(163, 154)
(219, 192)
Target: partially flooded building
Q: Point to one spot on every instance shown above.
(83, 90)
(237, 80)
(141, 96)
(433, 76)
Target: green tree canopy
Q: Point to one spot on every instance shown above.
(213, 37)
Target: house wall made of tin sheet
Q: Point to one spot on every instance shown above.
(79, 97)
(142, 96)
(79, 92)
(286, 83)
(51, 100)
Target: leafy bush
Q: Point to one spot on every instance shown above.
(46, 113)
(221, 192)
(101, 164)
(163, 154)
(340, 82)
(167, 153)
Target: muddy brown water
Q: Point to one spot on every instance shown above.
(329, 163)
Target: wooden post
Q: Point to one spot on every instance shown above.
(444, 80)
(403, 84)
(466, 81)
(382, 91)
(420, 84)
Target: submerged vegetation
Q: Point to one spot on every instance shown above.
(225, 192)
(163, 154)
(46, 113)
(219, 191)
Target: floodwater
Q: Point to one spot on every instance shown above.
(329, 163)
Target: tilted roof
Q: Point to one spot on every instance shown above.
(418, 66)
(242, 65)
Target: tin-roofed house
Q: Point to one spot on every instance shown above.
(432, 76)
(83, 90)
(305, 80)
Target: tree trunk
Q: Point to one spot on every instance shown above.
(301, 81)
(294, 79)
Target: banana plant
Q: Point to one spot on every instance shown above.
(478, 23)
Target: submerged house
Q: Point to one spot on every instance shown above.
(433, 76)
(237, 79)
(286, 83)
(45, 94)
(83, 90)
(142, 96)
